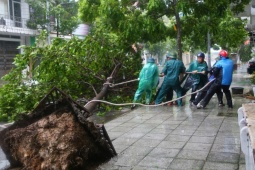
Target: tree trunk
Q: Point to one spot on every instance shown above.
(179, 33)
(91, 106)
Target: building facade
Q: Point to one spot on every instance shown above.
(14, 32)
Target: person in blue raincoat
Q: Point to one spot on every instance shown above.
(172, 70)
(148, 79)
(224, 67)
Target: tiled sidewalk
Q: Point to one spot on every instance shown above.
(181, 138)
(177, 138)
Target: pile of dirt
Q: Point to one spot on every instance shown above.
(56, 135)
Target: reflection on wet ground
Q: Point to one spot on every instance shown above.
(180, 137)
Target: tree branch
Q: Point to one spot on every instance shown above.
(91, 87)
(91, 106)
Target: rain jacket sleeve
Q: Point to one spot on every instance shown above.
(141, 74)
(155, 78)
(203, 77)
(191, 67)
(205, 67)
(164, 70)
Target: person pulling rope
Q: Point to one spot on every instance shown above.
(127, 104)
(140, 104)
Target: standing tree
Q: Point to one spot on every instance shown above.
(61, 15)
(216, 18)
(245, 52)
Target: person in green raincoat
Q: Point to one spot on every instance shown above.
(198, 78)
(169, 95)
(172, 70)
(148, 79)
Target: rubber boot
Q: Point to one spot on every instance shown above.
(230, 104)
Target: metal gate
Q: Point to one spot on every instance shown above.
(8, 50)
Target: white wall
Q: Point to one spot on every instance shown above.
(3, 7)
(24, 10)
(214, 56)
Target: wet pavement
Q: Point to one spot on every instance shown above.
(149, 138)
(180, 137)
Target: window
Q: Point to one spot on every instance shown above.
(15, 12)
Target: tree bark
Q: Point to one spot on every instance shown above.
(179, 32)
(91, 106)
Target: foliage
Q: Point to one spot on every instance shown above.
(245, 53)
(63, 15)
(217, 18)
(129, 23)
(139, 23)
(231, 31)
(66, 15)
(38, 16)
(70, 65)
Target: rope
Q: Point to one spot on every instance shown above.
(113, 85)
(127, 104)
(194, 73)
(5, 125)
(140, 104)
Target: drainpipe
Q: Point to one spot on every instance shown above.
(48, 18)
(252, 14)
(8, 10)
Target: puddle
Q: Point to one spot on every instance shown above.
(227, 113)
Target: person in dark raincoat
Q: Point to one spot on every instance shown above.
(148, 79)
(224, 68)
(171, 73)
(169, 95)
(198, 78)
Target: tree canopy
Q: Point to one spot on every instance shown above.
(61, 15)
(143, 21)
(219, 19)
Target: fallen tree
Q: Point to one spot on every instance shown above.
(91, 106)
(71, 66)
(56, 135)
